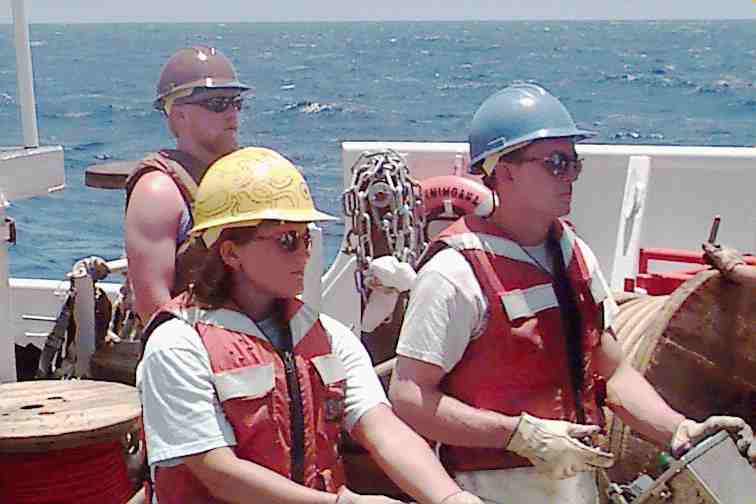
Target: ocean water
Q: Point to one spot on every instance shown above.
(318, 84)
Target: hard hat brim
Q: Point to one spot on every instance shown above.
(199, 86)
(507, 146)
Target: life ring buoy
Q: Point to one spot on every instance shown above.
(449, 197)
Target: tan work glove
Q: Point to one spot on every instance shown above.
(723, 259)
(346, 496)
(554, 447)
(461, 497)
(690, 432)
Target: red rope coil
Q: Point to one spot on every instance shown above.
(94, 474)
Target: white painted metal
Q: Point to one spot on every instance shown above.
(25, 173)
(7, 350)
(118, 266)
(630, 222)
(84, 313)
(314, 269)
(25, 75)
(340, 298)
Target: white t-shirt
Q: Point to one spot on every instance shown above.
(182, 413)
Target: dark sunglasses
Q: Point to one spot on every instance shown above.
(559, 164)
(290, 240)
(219, 104)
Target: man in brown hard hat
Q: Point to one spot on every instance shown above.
(200, 95)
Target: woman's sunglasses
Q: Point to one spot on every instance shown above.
(290, 240)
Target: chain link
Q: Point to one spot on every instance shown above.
(383, 197)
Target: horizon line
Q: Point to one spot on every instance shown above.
(9, 21)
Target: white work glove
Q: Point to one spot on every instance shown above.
(690, 432)
(346, 496)
(461, 497)
(388, 272)
(554, 448)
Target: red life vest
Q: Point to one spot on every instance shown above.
(256, 395)
(521, 360)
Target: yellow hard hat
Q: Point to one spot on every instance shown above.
(248, 186)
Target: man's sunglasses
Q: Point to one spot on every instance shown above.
(559, 164)
(219, 104)
(290, 240)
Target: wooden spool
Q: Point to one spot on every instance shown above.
(53, 414)
(109, 175)
(42, 421)
(697, 347)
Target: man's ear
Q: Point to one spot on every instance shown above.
(504, 170)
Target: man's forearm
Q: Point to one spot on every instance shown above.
(443, 418)
(636, 402)
(404, 456)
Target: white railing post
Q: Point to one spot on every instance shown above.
(7, 342)
(24, 74)
(84, 313)
(631, 221)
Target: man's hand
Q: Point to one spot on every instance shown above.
(346, 496)
(690, 432)
(723, 259)
(554, 448)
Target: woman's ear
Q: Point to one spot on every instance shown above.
(228, 255)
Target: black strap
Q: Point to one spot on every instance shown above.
(571, 322)
(285, 349)
(55, 340)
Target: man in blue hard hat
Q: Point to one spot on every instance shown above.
(507, 355)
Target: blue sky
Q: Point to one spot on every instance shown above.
(67, 11)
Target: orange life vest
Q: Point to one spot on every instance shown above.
(286, 408)
(521, 361)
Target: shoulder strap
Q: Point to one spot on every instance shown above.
(185, 170)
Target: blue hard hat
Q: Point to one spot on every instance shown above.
(516, 116)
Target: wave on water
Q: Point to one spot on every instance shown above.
(657, 77)
(86, 146)
(309, 107)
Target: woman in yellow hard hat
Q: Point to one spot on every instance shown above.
(246, 389)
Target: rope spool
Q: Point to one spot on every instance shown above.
(64, 442)
(697, 347)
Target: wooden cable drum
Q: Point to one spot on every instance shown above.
(64, 442)
(697, 347)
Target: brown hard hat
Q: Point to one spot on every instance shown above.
(196, 67)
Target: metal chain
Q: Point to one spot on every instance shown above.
(384, 197)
